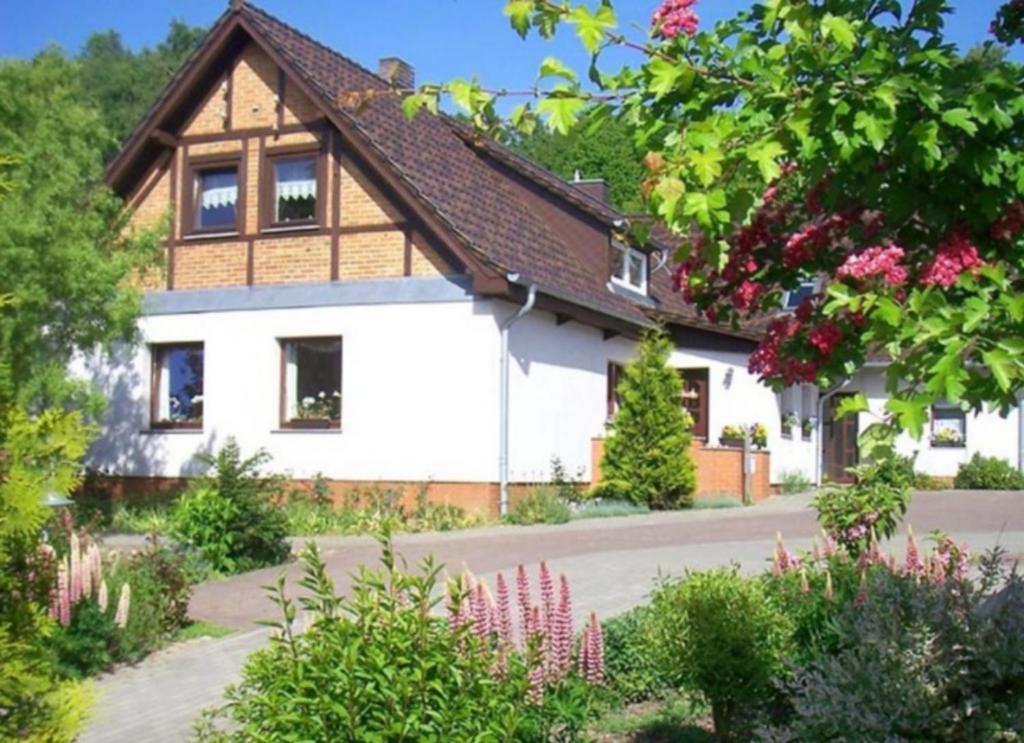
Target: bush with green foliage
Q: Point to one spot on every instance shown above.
(874, 504)
(647, 454)
(599, 508)
(988, 473)
(230, 517)
(728, 638)
(542, 505)
(381, 664)
(794, 482)
(634, 670)
(918, 660)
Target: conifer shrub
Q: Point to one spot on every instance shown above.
(647, 454)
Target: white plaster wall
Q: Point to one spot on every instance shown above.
(987, 433)
(419, 393)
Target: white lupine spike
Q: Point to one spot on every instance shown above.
(102, 597)
(123, 606)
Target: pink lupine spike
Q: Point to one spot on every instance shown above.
(828, 544)
(595, 652)
(480, 611)
(913, 565)
(102, 597)
(547, 587)
(523, 597)
(815, 550)
(862, 590)
(563, 629)
(535, 690)
(63, 596)
(504, 610)
(75, 568)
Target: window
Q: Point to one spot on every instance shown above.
(177, 400)
(295, 189)
(311, 383)
(291, 189)
(695, 399)
(629, 267)
(792, 299)
(613, 399)
(949, 425)
(215, 200)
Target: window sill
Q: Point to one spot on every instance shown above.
(278, 228)
(199, 236)
(943, 445)
(172, 430)
(307, 430)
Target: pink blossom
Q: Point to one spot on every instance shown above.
(504, 613)
(824, 337)
(877, 262)
(913, 564)
(592, 655)
(562, 644)
(480, 610)
(955, 255)
(746, 295)
(523, 596)
(1010, 224)
(675, 17)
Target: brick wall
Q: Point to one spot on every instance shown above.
(371, 255)
(719, 470)
(203, 265)
(362, 203)
(254, 86)
(210, 117)
(290, 260)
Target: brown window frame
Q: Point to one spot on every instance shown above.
(700, 429)
(614, 376)
(155, 423)
(308, 424)
(197, 164)
(267, 183)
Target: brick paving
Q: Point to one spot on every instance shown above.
(612, 564)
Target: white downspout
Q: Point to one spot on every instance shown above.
(1020, 432)
(506, 326)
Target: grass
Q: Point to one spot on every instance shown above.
(795, 482)
(675, 720)
(197, 629)
(717, 501)
(144, 520)
(602, 509)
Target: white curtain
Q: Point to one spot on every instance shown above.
(297, 189)
(164, 390)
(291, 381)
(221, 196)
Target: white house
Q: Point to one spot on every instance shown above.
(372, 299)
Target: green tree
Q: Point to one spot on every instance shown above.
(846, 139)
(66, 257)
(122, 84)
(603, 151)
(647, 455)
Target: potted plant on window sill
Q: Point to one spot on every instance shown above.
(807, 426)
(732, 436)
(947, 438)
(317, 412)
(759, 435)
(789, 421)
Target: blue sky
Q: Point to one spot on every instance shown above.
(441, 38)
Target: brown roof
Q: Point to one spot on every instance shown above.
(509, 214)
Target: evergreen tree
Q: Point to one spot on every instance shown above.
(647, 456)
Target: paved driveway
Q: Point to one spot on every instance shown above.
(612, 564)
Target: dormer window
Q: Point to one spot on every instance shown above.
(215, 200)
(629, 268)
(292, 196)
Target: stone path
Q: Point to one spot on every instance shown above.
(612, 564)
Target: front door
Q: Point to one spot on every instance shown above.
(838, 441)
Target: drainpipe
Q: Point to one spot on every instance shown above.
(1020, 432)
(506, 326)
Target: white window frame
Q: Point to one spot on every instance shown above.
(626, 280)
(813, 284)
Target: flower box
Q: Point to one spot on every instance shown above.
(310, 423)
(731, 442)
(938, 444)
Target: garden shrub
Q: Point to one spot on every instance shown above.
(230, 517)
(634, 671)
(988, 473)
(599, 508)
(874, 504)
(542, 505)
(795, 482)
(919, 660)
(379, 664)
(647, 454)
(727, 638)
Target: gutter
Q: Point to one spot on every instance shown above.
(503, 395)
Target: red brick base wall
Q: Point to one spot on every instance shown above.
(719, 470)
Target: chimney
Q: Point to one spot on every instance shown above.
(396, 70)
(596, 188)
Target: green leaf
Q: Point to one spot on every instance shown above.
(592, 27)
(976, 310)
(875, 129)
(562, 112)
(961, 118)
(876, 441)
(912, 413)
(554, 67)
(1001, 365)
(706, 208)
(889, 312)
(852, 404)
(707, 166)
(926, 134)
(1014, 304)
(669, 190)
(518, 12)
(839, 29)
(766, 154)
(667, 77)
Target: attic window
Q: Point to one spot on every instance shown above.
(792, 299)
(216, 198)
(629, 267)
(295, 189)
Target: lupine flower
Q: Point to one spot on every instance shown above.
(828, 544)
(862, 591)
(63, 596)
(914, 565)
(547, 595)
(75, 568)
(805, 587)
(481, 611)
(563, 632)
(829, 592)
(523, 596)
(784, 559)
(102, 597)
(123, 605)
(593, 656)
(503, 624)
